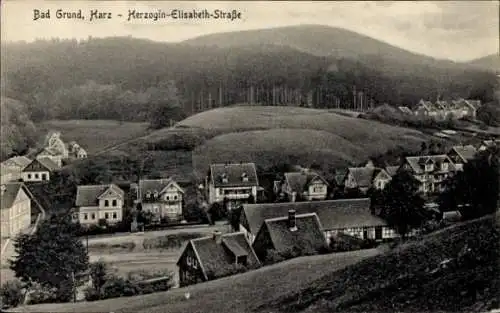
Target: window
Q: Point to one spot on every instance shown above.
(93, 216)
(75, 216)
(85, 216)
(44, 176)
(106, 202)
(29, 176)
(175, 197)
(444, 166)
(114, 203)
(156, 194)
(148, 195)
(36, 176)
(106, 215)
(429, 167)
(167, 197)
(114, 215)
(318, 189)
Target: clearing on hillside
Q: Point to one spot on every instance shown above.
(95, 135)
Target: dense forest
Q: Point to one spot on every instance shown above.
(141, 80)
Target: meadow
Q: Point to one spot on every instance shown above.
(94, 135)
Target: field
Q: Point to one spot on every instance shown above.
(235, 294)
(269, 135)
(94, 135)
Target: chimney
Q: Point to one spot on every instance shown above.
(217, 236)
(292, 221)
(294, 196)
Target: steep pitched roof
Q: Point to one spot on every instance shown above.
(20, 161)
(234, 174)
(308, 232)
(298, 181)
(476, 104)
(392, 170)
(417, 163)
(88, 195)
(49, 151)
(213, 256)
(10, 194)
(364, 175)
(466, 153)
(428, 105)
(46, 163)
(333, 214)
(156, 185)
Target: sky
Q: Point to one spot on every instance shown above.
(455, 30)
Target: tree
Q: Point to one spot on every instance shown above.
(99, 276)
(11, 293)
(52, 256)
(475, 191)
(403, 207)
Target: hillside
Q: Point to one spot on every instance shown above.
(17, 129)
(270, 135)
(398, 280)
(119, 77)
(403, 280)
(318, 40)
(489, 62)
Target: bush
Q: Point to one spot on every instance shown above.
(39, 294)
(116, 287)
(11, 293)
(172, 241)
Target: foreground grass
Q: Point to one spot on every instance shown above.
(95, 135)
(400, 281)
(234, 294)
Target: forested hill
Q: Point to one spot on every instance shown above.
(132, 78)
(489, 62)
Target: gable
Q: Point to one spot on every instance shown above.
(382, 175)
(35, 166)
(172, 187)
(109, 193)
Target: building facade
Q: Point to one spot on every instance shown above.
(96, 204)
(430, 171)
(39, 170)
(163, 198)
(16, 209)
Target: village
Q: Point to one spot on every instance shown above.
(308, 214)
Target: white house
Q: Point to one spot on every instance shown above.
(162, 197)
(304, 185)
(39, 170)
(98, 202)
(237, 183)
(16, 209)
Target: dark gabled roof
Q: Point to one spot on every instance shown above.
(213, 256)
(308, 232)
(156, 185)
(364, 176)
(333, 214)
(88, 195)
(9, 195)
(45, 162)
(234, 174)
(298, 181)
(417, 162)
(466, 153)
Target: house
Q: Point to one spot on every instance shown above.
(39, 170)
(16, 209)
(162, 197)
(81, 153)
(488, 143)
(55, 143)
(349, 216)
(11, 168)
(304, 185)
(460, 155)
(215, 256)
(50, 153)
(76, 151)
(426, 109)
(430, 171)
(234, 183)
(302, 233)
(98, 202)
(364, 178)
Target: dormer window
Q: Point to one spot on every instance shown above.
(156, 194)
(148, 195)
(224, 178)
(444, 166)
(244, 177)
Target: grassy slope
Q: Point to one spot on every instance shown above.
(268, 134)
(95, 135)
(399, 281)
(231, 294)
